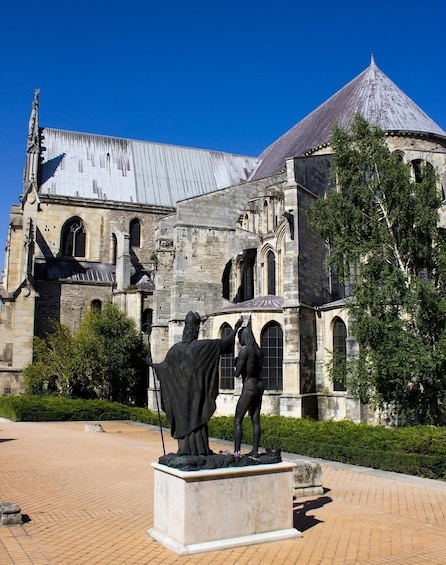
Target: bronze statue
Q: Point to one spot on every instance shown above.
(249, 365)
(189, 379)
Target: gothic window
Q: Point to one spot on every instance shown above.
(226, 281)
(418, 169)
(265, 216)
(114, 249)
(226, 363)
(146, 321)
(271, 266)
(246, 267)
(272, 344)
(339, 350)
(73, 238)
(135, 233)
(96, 305)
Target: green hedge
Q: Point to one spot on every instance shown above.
(418, 450)
(56, 408)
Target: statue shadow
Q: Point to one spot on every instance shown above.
(303, 521)
(2, 440)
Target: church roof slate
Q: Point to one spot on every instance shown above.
(371, 94)
(85, 165)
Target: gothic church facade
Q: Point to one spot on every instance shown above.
(162, 230)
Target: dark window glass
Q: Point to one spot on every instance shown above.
(96, 305)
(246, 266)
(226, 364)
(226, 280)
(114, 248)
(146, 321)
(339, 348)
(73, 238)
(271, 265)
(135, 233)
(272, 345)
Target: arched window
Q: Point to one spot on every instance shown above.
(73, 238)
(226, 281)
(271, 266)
(96, 305)
(246, 266)
(419, 168)
(272, 344)
(135, 233)
(146, 321)
(266, 216)
(339, 351)
(226, 363)
(114, 249)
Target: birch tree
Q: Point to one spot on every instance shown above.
(382, 223)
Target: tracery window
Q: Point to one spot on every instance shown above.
(135, 233)
(73, 238)
(271, 341)
(339, 350)
(226, 363)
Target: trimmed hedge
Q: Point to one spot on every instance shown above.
(60, 409)
(417, 450)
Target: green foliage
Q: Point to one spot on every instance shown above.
(104, 359)
(45, 409)
(52, 371)
(382, 231)
(416, 450)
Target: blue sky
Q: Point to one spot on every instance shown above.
(230, 76)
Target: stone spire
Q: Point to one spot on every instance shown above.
(32, 148)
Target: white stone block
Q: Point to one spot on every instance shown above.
(208, 510)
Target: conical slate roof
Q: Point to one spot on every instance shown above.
(371, 94)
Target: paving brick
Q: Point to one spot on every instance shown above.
(88, 500)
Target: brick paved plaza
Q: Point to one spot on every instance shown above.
(88, 500)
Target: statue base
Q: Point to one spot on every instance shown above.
(211, 510)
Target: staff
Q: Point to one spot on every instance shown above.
(149, 361)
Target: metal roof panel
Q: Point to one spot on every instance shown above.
(107, 168)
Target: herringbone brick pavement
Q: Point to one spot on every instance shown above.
(88, 500)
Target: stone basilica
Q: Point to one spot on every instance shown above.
(161, 230)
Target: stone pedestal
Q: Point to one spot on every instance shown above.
(307, 478)
(210, 510)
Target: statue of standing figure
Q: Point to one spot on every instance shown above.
(189, 380)
(249, 365)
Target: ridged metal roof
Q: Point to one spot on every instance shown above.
(268, 302)
(108, 168)
(371, 94)
(72, 270)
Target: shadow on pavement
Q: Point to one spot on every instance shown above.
(301, 520)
